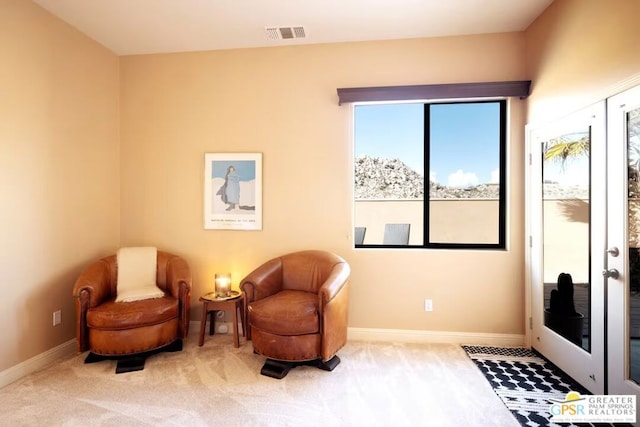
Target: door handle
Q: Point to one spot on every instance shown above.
(613, 251)
(612, 273)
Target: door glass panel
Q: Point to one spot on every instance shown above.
(633, 156)
(566, 217)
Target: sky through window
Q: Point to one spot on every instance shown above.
(464, 139)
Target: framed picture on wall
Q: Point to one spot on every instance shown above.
(233, 191)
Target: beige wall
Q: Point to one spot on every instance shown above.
(59, 172)
(451, 220)
(282, 102)
(580, 52)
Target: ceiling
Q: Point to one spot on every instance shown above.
(130, 27)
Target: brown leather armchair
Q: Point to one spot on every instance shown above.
(110, 329)
(297, 307)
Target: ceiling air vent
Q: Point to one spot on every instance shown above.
(285, 33)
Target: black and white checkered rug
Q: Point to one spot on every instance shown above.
(525, 382)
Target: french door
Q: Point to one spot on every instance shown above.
(623, 240)
(583, 221)
(566, 225)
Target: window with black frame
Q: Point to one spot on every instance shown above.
(430, 175)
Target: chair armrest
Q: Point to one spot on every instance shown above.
(91, 289)
(95, 281)
(338, 279)
(262, 282)
(178, 276)
(333, 306)
(179, 285)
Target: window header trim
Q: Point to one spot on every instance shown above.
(518, 88)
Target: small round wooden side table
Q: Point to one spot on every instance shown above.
(211, 303)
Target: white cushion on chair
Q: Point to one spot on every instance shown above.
(137, 274)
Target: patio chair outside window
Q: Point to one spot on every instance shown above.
(396, 234)
(359, 235)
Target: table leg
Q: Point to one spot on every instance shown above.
(240, 307)
(212, 321)
(236, 339)
(203, 323)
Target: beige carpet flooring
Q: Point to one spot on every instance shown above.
(377, 384)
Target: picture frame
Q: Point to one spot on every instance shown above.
(233, 191)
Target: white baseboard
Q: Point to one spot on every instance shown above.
(411, 336)
(415, 336)
(36, 363)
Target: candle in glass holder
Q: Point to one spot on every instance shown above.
(223, 284)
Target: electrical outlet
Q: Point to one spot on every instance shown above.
(57, 317)
(428, 305)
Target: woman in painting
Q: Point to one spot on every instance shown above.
(231, 188)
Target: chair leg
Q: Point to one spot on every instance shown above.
(330, 364)
(276, 369)
(133, 362)
(93, 358)
(174, 346)
(279, 369)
